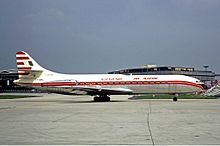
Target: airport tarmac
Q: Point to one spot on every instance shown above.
(59, 119)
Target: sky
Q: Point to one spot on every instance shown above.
(98, 36)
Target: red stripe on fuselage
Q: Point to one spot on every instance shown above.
(140, 83)
(58, 84)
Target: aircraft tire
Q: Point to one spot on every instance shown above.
(101, 99)
(96, 99)
(108, 99)
(175, 99)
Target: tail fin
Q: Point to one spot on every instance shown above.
(27, 66)
(26, 62)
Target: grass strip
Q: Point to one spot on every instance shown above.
(16, 96)
(167, 96)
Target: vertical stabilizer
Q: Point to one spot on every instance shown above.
(27, 66)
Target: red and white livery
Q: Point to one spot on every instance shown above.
(31, 74)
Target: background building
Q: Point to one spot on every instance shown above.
(206, 76)
(6, 82)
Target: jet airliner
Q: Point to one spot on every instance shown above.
(101, 86)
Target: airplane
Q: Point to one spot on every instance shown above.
(101, 86)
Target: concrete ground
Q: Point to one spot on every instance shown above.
(58, 119)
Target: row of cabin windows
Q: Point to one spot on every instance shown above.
(125, 83)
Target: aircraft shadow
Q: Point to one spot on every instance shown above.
(68, 101)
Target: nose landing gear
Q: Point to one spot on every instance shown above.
(101, 98)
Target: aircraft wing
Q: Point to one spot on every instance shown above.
(97, 90)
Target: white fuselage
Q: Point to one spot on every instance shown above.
(33, 75)
(139, 84)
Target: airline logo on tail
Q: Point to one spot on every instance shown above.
(26, 65)
(23, 64)
(23, 61)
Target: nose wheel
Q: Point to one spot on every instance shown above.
(101, 98)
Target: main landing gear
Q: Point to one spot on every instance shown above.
(101, 98)
(175, 97)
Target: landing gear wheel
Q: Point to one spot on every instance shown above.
(175, 99)
(107, 99)
(101, 99)
(96, 99)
